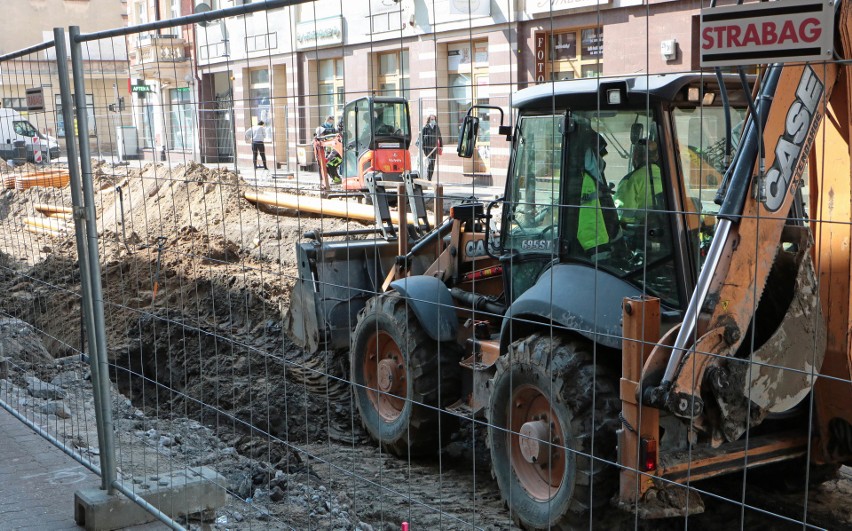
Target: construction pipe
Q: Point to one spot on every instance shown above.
(39, 230)
(50, 209)
(316, 205)
(44, 179)
(46, 223)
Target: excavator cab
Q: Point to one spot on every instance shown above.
(376, 138)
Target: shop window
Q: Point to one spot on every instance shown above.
(330, 87)
(181, 122)
(576, 53)
(467, 77)
(146, 109)
(393, 74)
(259, 96)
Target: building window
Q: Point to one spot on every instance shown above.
(467, 77)
(259, 96)
(174, 12)
(141, 12)
(19, 104)
(181, 122)
(265, 41)
(214, 50)
(331, 90)
(568, 60)
(393, 74)
(319, 9)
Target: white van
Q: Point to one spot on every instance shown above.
(14, 127)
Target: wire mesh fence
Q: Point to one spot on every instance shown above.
(44, 362)
(554, 326)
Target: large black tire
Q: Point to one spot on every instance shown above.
(403, 378)
(550, 384)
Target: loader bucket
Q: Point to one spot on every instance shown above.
(783, 370)
(335, 280)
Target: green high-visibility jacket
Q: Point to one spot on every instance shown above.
(591, 228)
(635, 194)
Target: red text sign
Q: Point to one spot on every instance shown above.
(767, 32)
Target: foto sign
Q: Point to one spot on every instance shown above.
(767, 32)
(540, 56)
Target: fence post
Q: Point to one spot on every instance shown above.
(100, 377)
(65, 92)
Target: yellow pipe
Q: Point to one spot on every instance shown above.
(45, 223)
(42, 207)
(39, 230)
(316, 205)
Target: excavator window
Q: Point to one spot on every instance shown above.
(390, 119)
(536, 174)
(531, 211)
(350, 151)
(700, 137)
(600, 182)
(616, 200)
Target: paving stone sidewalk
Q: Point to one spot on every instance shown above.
(37, 480)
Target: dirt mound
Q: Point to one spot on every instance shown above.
(221, 269)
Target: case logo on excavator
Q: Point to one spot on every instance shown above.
(800, 127)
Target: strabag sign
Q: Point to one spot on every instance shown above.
(767, 32)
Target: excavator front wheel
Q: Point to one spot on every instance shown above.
(403, 378)
(552, 417)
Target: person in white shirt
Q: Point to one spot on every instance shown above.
(256, 135)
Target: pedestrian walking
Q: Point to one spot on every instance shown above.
(431, 143)
(256, 135)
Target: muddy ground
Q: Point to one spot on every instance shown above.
(203, 374)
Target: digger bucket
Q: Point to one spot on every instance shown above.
(336, 278)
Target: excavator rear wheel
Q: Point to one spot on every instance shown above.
(552, 417)
(403, 378)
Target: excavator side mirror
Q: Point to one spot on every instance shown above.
(467, 136)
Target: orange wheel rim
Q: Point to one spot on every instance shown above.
(537, 443)
(385, 376)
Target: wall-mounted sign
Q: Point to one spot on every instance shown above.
(474, 8)
(771, 32)
(35, 99)
(540, 56)
(534, 7)
(317, 33)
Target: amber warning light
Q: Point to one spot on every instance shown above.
(767, 32)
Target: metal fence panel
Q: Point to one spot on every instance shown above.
(345, 357)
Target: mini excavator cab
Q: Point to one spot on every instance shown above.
(376, 139)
